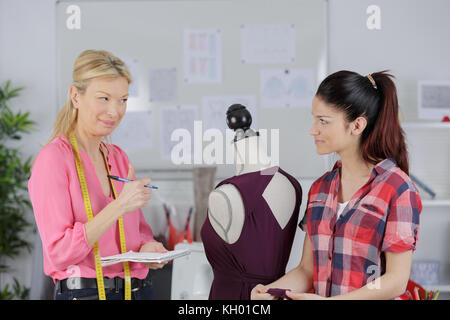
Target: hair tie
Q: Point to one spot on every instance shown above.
(369, 76)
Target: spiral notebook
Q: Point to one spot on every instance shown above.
(144, 257)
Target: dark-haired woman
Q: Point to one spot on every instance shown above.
(362, 218)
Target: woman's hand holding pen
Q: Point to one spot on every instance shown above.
(133, 197)
(134, 194)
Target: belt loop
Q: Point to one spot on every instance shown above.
(59, 284)
(116, 284)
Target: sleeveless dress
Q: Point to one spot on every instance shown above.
(263, 248)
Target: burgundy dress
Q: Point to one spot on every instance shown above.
(262, 251)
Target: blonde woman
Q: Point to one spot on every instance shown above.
(71, 241)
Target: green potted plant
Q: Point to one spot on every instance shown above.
(14, 203)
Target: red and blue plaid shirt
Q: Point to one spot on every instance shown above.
(382, 216)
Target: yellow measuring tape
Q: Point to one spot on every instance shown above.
(90, 215)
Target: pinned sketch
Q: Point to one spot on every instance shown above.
(214, 109)
(287, 88)
(133, 68)
(163, 85)
(202, 56)
(171, 119)
(434, 99)
(268, 43)
(135, 131)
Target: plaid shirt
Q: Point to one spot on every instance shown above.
(382, 216)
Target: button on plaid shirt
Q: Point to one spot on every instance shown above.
(383, 215)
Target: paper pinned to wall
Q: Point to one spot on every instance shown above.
(171, 119)
(268, 43)
(133, 67)
(287, 88)
(135, 132)
(202, 56)
(434, 99)
(214, 110)
(163, 84)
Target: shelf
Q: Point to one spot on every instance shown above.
(426, 125)
(436, 203)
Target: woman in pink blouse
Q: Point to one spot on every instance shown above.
(96, 103)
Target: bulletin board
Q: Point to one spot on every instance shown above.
(255, 42)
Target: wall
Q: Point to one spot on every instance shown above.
(409, 43)
(27, 56)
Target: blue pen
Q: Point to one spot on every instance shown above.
(127, 180)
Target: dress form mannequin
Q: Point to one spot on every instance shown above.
(252, 217)
(225, 205)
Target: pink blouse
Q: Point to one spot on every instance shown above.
(60, 214)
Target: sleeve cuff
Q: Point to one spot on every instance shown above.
(397, 243)
(303, 224)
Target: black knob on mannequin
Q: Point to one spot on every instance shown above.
(239, 119)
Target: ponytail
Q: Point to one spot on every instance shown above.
(387, 138)
(375, 98)
(65, 120)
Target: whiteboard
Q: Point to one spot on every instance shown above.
(150, 34)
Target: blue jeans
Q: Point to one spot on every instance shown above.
(144, 293)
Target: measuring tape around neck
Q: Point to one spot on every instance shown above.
(90, 215)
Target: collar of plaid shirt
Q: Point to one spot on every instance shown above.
(379, 169)
(348, 251)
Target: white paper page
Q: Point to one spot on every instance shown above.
(171, 119)
(202, 56)
(146, 257)
(135, 132)
(214, 109)
(301, 88)
(163, 84)
(268, 43)
(133, 67)
(287, 88)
